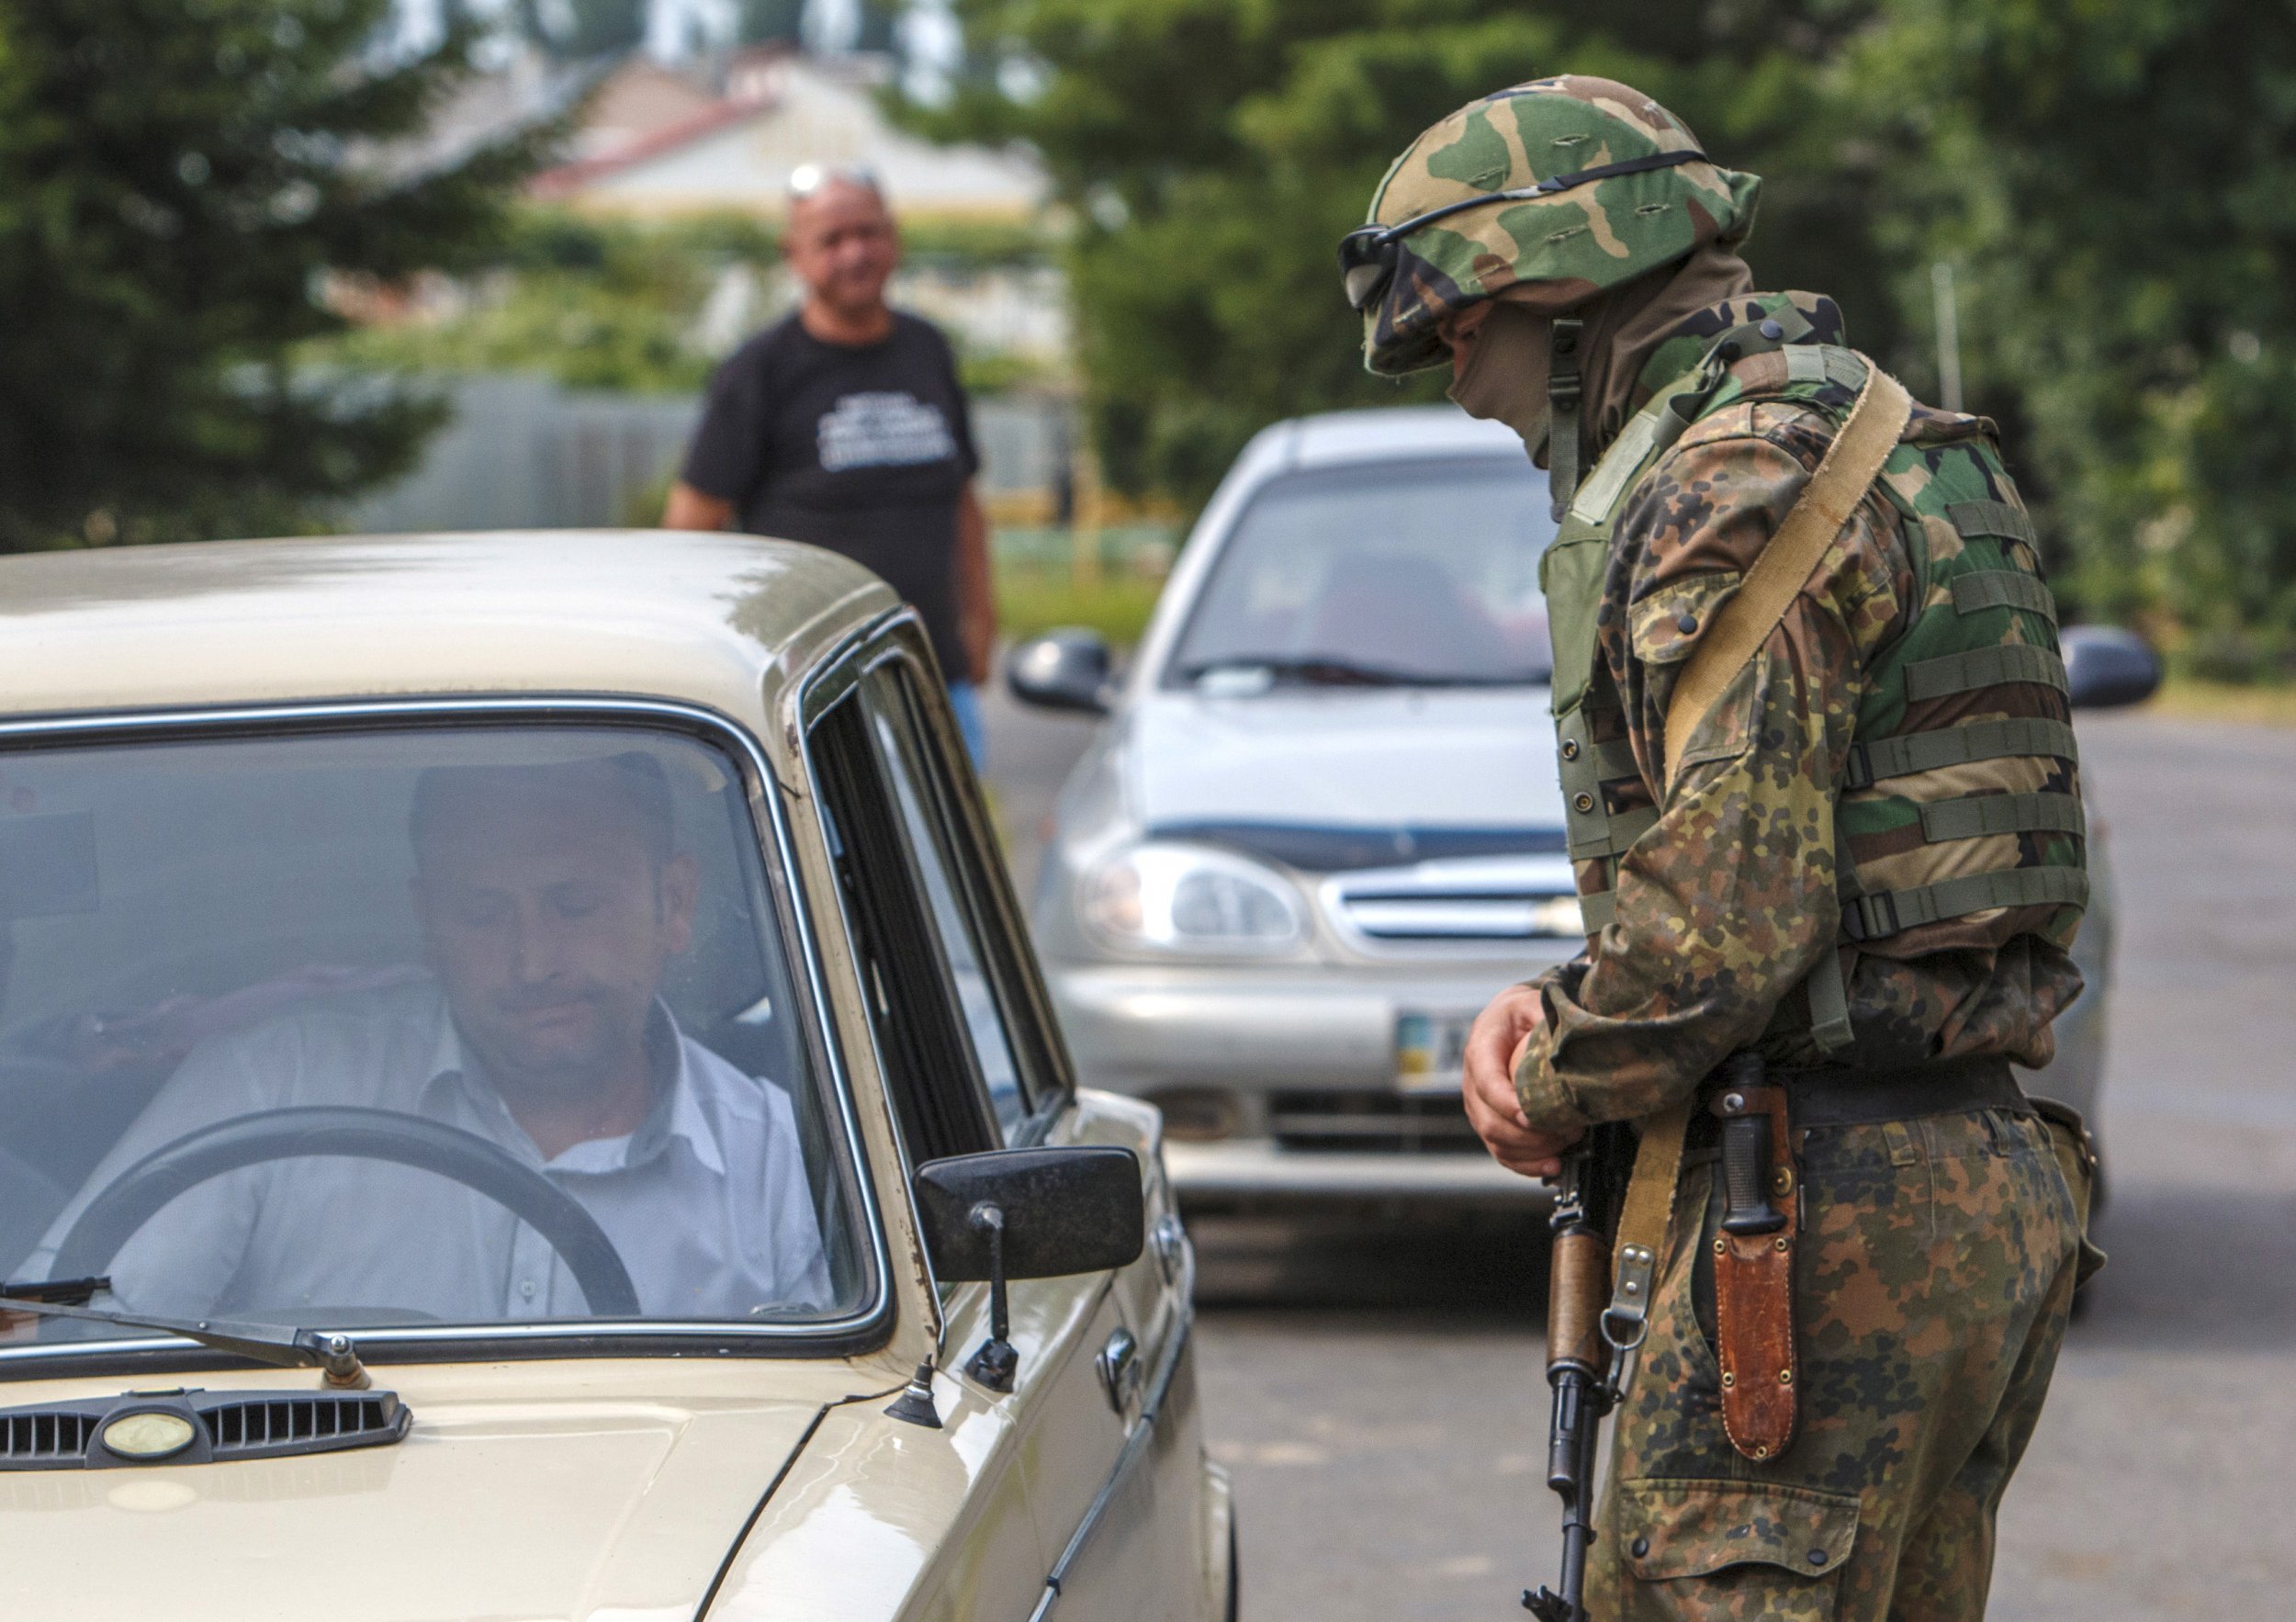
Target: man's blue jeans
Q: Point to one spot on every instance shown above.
(964, 698)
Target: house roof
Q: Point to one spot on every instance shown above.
(738, 150)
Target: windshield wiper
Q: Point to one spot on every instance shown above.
(1322, 672)
(72, 1292)
(1325, 671)
(280, 1345)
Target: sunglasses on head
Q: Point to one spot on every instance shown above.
(1369, 254)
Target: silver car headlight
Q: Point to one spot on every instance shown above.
(1191, 898)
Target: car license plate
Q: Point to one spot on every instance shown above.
(1430, 1051)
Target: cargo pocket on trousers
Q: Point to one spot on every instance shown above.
(2077, 1157)
(1775, 1550)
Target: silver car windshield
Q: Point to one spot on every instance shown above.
(360, 1029)
(1402, 573)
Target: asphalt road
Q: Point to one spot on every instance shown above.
(1377, 1389)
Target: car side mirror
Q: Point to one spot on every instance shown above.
(1062, 669)
(2107, 668)
(1028, 1213)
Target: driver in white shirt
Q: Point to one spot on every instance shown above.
(550, 900)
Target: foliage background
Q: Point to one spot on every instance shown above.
(177, 177)
(2119, 180)
(1214, 152)
(2115, 183)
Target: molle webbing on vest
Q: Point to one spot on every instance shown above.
(1979, 740)
(1811, 363)
(1621, 830)
(1983, 667)
(1865, 918)
(1990, 518)
(1977, 815)
(1614, 759)
(1591, 829)
(2003, 587)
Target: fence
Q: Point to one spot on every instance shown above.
(523, 453)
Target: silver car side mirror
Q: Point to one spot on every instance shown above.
(1062, 669)
(2108, 668)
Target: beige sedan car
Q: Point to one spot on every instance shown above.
(524, 1094)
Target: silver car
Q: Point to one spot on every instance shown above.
(1321, 826)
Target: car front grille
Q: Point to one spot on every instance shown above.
(1391, 1124)
(34, 1439)
(1460, 901)
(228, 1425)
(264, 1427)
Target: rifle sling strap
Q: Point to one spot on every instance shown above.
(1847, 471)
(1642, 1224)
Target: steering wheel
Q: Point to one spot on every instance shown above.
(136, 1196)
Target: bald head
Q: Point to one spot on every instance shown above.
(843, 246)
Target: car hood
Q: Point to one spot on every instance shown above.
(1446, 758)
(562, 1507)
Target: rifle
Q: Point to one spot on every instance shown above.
(1581, 1367)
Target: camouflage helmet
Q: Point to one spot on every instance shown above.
(1572, 184)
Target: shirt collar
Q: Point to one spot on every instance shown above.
(677, 1113)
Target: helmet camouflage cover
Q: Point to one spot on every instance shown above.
(1571, 244)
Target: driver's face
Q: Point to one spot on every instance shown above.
(549, 923)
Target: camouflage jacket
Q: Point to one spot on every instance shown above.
(1727, 902)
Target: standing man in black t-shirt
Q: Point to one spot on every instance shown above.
(844, 425)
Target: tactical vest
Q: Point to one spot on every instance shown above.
(1960, 796)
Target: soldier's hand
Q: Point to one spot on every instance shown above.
(1494, 1043)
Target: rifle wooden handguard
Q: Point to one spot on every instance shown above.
(1577, 1290)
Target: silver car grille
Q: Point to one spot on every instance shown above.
(1459, 900)
(1384, 1122)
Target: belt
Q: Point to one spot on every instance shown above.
(1852, 1095)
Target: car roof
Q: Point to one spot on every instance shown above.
(1389, 432)
(716, 620)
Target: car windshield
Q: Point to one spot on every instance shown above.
(1407, 572)
(454, 1026)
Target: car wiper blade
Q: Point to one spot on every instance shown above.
(72, 1292)
(1322, 672)
(280, 1345)
(1344, 672)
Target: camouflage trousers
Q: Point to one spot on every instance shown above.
(1934, 1278)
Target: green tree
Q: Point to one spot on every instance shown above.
(177, 182)
(880, 27)
(575, 30)
(770, 22)
(2118, 183)
(1214, 152)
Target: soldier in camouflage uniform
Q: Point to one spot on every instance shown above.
(1868, 869)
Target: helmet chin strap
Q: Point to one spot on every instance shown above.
(1563, 391)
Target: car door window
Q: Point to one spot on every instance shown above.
(944, 975)
(959, 944)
